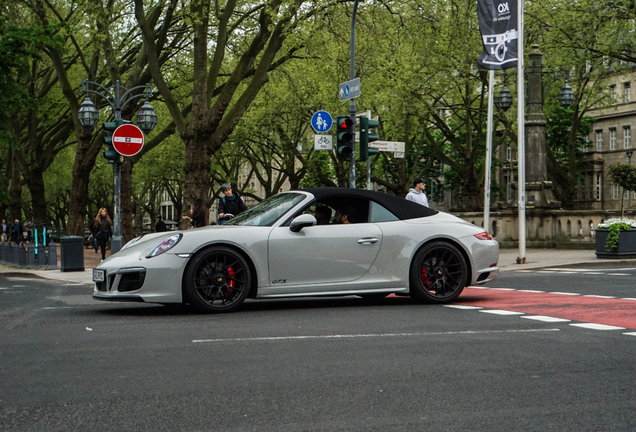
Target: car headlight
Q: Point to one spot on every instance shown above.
(132, 242)
(165, 245)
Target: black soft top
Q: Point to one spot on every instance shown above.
(400, 207)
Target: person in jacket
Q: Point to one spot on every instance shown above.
(197, 214)
(16, 232)
(230, 205)
(416, 193)
(160, 225)
(4, 231)
(102, 229)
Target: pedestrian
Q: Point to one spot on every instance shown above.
(4, 231)
(16, 232)
(160, 225)
(102, 230)
(197, 214)
(230, 205)
(416, 193)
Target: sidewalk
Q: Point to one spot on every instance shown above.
(91, 260)
(535, 258)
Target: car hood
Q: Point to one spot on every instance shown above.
(190, 240)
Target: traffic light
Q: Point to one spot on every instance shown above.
(110, 154)
(345, 138)
(366, 138)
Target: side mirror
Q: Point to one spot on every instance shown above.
(301, 222)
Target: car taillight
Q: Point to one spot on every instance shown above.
(483, 236)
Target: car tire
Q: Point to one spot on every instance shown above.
(438, 273)
(218, 279)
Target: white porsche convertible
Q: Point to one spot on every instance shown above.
(310, 242)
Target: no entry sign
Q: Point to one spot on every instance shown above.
(128, 140)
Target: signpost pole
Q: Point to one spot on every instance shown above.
(352, 103)
(117, 240)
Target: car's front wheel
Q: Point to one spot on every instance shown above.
(217, 280)
(438, 273)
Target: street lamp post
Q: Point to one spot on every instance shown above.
(535, 121)
(629, 195)
(146, 119)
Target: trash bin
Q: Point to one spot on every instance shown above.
(72, 253)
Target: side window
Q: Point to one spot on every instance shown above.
(380, 214)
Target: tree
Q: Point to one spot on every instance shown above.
(623, 175)
(247, 39)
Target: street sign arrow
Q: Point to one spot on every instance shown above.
(349, 90)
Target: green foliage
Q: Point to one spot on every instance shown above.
(623, 175)
(614, 233)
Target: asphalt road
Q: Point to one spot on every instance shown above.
(69, 363)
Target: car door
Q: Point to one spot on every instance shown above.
(322, 254)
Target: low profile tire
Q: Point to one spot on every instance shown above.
(438, 273)
(217, 280)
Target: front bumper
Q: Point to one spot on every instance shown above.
(133, 277)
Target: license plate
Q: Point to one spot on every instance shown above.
(98, 275)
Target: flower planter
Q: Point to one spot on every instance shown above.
(626, 244)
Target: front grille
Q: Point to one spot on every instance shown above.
(101, 286)
(131, 279)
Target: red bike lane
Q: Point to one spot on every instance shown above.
(609, 311)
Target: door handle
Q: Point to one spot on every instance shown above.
(369, 240)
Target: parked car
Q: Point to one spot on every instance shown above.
(278, 249)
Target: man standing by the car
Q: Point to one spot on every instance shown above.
(230, 205)
(416, 193)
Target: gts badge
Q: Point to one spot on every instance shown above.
(279, 281)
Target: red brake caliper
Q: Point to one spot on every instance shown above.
(424, 277)
(230, 281)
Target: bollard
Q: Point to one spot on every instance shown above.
(14, 254)
(22, 257)
(8, 254)
(41, 256)
(30, 256)
(51, 262)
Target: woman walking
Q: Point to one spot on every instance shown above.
(197, 212)
(102, 229)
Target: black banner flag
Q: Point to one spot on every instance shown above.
(499, 34)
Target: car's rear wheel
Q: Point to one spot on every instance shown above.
(438, 273)
(217, 280)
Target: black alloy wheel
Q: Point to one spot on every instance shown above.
(438, 273)
(218, 279)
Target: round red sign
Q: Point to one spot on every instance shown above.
(128, 140)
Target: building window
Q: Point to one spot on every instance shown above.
(508, 154)
(613, 94)
(599, 140)
(616, 193)
(586, 144)
(612, 139)
(627, 137)
(627, 92)
(598, 186)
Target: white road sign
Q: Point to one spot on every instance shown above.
(323, 142)
(398, 155)
(388, 146)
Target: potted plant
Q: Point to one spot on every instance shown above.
(616, 238)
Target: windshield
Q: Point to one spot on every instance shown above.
(269, 211)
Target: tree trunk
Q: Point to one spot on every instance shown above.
(35, 182)
(196, 171)
(15, 190)
(78, 202)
